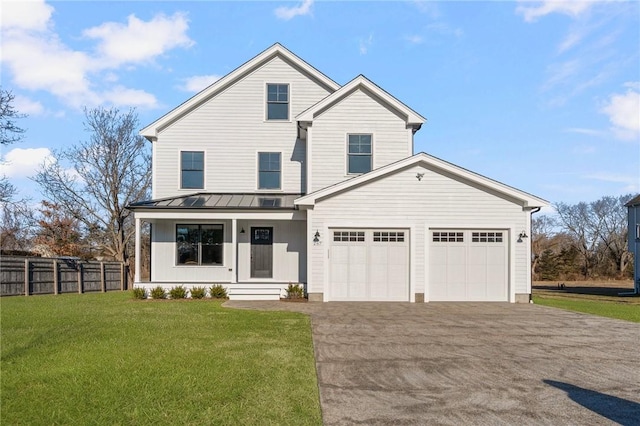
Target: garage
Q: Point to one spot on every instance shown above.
(369, 265)
(468, 265)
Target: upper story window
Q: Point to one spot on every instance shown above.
(192, 169)
(359, 154)
(277, 102)
(269, 170)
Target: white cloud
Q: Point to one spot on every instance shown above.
(583, 131)
(287, 13)
(198, 82)
(139, 41)
(414, 39)
(21, 162)
(38, 60)
(26, 15)
(365, 44)
(623, 111)
(572, 8)
(444, 29)
(25, 105)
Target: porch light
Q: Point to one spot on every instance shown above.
(242, 231)
(521, 236)
(316, 237)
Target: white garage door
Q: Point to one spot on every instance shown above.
(468, 265)
(369, 264)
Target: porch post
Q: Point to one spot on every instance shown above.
(234, 251)
(138, 251)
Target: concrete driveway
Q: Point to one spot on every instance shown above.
(471, 363)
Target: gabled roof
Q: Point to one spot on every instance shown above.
(635, 201)
(208, 200)
(527, 200)
(362, 83)
(277, 50)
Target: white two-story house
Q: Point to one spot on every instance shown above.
(276, 174)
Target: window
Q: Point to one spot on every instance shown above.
(384, 236)
(450, 237)
(199, 244)
(192, 170)
(486, 237)
(359, 153)
(638, 233)
(348, 236)
(277, 101)
(269, 170)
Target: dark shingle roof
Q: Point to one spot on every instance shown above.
(635, 201)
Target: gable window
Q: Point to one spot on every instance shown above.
(192, 170)
(277, 102)
(199, 244)
(359, 154)
(269, 170)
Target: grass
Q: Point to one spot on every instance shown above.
(625, 308)
(109, 359)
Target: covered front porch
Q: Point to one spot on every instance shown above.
(253, 245)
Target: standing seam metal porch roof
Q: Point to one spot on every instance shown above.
(206, 200)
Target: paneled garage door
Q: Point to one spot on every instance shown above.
(369, 264)
(468, 265)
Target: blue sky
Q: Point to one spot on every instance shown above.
(543, 96)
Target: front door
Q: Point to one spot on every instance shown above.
(261, 252)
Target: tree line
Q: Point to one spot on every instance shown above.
(586, 240)
(86, 187)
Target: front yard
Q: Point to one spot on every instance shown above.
(107, 359)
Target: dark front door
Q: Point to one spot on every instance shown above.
(261, 252)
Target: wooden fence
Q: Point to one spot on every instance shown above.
(40, 275)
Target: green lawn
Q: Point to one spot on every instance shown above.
(108, 359)
(626, 310)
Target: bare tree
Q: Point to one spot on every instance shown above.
(109, 171)
(609, 223)
(576, 221)
(542, 231)
(10, 132)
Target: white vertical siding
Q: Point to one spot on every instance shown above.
(437, 201)
(356, 113)
(231, 129)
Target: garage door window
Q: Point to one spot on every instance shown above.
(392, 237)
(448, 237)
(348, 236)
(486, 237)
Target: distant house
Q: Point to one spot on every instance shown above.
(633, 207)
(276, 174)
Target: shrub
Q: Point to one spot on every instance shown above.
(295, 291)
(178, 292)
(198, 292)
(158, 293)
(218, 291)
(139, 293)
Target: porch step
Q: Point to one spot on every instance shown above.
(248, 293)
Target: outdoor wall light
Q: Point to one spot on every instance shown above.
(316, 237)
(521, 236)
(242, 230)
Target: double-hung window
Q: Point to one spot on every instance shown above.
(277, 102)
(269, 170)
(359, 154)
(192, 170)
(199, 244)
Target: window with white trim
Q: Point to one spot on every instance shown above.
(277, 102)
(486, 237)
(359, 153)
(199, 244)
(269, 170)
(192, 169)
(348, 236)
(448, 237)
(388, 236)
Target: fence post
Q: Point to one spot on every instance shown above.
(56, 283)
(26, 277)
(103, 284)
(79, 277)
(122, 277)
